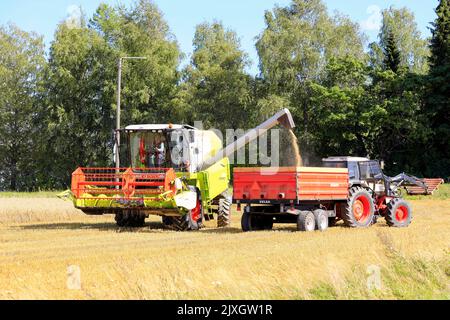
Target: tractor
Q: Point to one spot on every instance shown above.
(373, 194)
(177, 172)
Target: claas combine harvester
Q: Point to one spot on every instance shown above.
(177, 172)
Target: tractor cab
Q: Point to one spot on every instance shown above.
(362, 171)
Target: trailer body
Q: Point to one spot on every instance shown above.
(290, 185)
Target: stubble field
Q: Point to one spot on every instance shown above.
(41, 236)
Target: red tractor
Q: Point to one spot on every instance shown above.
(351, 189)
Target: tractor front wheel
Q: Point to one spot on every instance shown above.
(398, 213)
(360, 208)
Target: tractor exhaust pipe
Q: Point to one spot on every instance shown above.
(283, 117)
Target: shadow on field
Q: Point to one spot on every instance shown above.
(100, 226)
(229, 230)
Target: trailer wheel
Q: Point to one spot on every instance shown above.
(306, 221)
(321, 219)
(246, 222)
(398, 213)
(267, 223)
(255, 222)
(224, 214)
(360, 208)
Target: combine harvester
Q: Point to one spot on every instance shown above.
(351, 189)
(177, 172)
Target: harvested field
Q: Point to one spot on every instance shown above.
(41, 237)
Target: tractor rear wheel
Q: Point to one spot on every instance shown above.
(321, 219)
(224, 213)
(306, 221)
(398, 213)
(130, 219)
(360, 208)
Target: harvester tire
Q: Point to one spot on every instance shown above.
(360, 208)
(224, 213)
(321, 219)
(398, 213)
(130, 219)
(306, 221)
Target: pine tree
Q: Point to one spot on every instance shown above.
(392, 58)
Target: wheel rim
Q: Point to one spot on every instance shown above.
(361, 209)
(323, 222)
(309, 223)
(401, 214)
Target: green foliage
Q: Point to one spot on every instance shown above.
(81, 83)
(390, 104)
(21, 64)
(215, 83)
(294, 50)
(391, 54)
(438, 94)
(401, 25)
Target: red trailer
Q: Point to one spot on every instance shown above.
(309, 197)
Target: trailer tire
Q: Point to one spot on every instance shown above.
(306, 221)
(267, 223)
(360, 208)
(398, 213)
(255, 222)
(224, 213)
(246, 222)
(321, 219)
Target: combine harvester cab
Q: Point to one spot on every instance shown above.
(177, 172)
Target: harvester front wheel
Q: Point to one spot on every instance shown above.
(191, 221)
(398, 213)
(130, 219)
(360, 208)
(224, 213)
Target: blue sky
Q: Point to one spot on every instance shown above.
(246, 17)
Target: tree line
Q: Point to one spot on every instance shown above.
(388, 100)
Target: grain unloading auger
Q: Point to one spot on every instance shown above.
(177, 172)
